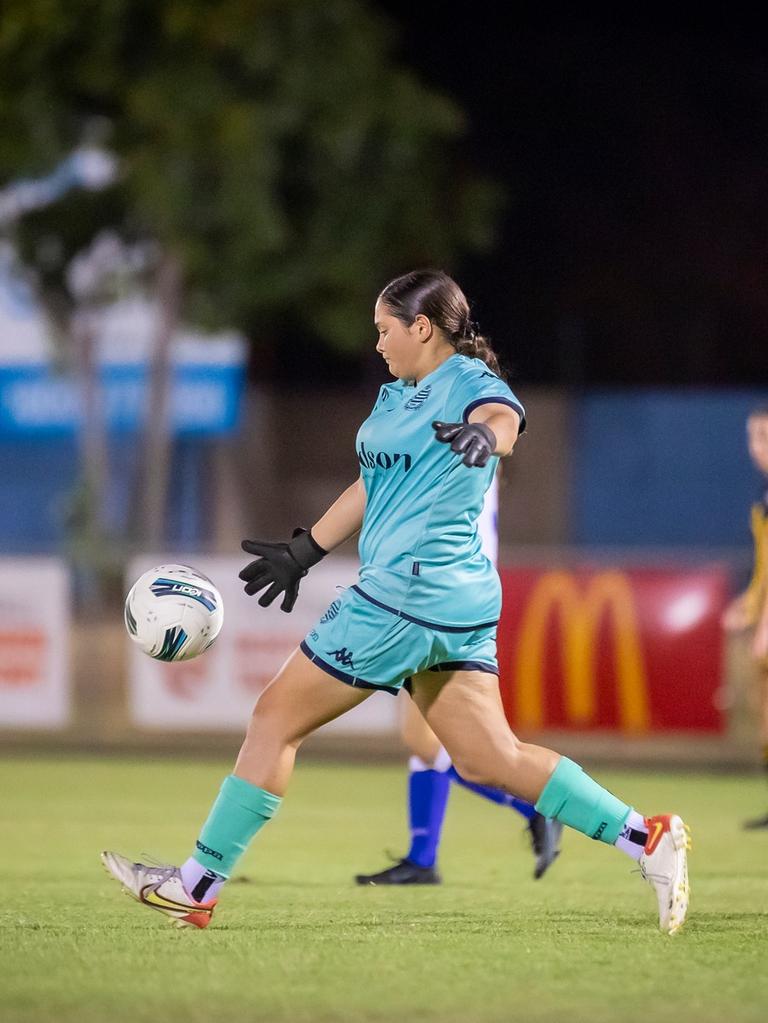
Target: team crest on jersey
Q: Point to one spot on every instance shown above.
(418, 399)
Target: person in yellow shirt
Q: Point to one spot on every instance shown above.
(750, 609)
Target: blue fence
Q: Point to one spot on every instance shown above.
(38, 494)
(656, 468)
(663, 468)
(40, 422)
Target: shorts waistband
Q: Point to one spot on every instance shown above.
(436, 626)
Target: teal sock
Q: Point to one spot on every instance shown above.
(573, 798)
(240, 810)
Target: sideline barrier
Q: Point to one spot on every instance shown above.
(34, 643)
(630, 651)
(634, 651)
(602, 663)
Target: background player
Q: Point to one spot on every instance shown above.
(431, 773)
(424, 613)
(750, 609)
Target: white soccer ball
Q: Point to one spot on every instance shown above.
(173, 613)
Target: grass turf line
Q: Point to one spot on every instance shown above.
(300, 942)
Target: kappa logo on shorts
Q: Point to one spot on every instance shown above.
(418, 399)
(343, 657)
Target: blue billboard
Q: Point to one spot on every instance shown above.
(204, 399)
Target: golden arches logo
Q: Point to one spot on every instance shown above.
(580, 613)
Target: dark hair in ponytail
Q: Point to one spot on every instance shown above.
(437, 296)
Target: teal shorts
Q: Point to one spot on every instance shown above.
(366, 644)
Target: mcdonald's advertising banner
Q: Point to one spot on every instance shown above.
(636, 650)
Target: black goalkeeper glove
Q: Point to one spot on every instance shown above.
(280, 566)
(475, 441)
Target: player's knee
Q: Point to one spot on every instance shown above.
(423, 748)
(493, 767)
(475, 770)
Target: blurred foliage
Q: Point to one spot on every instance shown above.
(276, 147)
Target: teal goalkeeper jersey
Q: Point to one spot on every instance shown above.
(420, 551)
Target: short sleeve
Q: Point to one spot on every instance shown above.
(479, 386)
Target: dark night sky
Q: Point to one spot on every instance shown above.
(634, 249)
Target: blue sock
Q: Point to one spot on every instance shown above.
(495, 795)
(427, 799)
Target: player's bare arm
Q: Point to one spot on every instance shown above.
(760, 639)
(737, 616)
(343, 519)
(504, 422)
(280, 567)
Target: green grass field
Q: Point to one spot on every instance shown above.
(299, 942)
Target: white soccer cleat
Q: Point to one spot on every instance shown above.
(159, 888)
(664, 864)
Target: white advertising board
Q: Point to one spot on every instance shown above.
(34, 643)
(217, 691)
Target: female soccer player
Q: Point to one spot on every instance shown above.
(425, 610)
(431, 773)
(750, 609)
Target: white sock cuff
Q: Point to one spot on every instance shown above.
(635, 820)
(441, 762)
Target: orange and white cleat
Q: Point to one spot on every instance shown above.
(664, 864)
(159, 888)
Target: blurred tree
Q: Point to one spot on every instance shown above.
(281, 159)
(275, 147)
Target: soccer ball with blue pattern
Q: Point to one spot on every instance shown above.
(173, 613)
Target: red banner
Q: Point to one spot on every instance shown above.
(628, 650)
